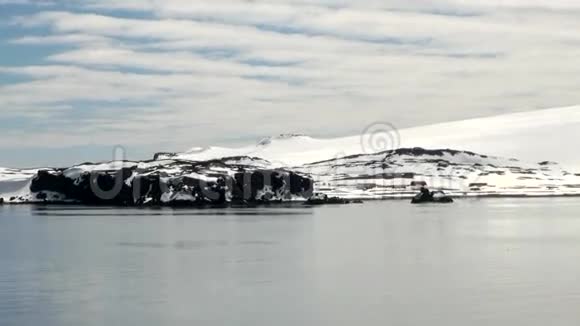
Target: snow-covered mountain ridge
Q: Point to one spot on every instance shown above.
(401, 172)
(376, 164)
(524, 147)
(532, 136)
(390, 174)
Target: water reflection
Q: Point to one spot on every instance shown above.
(194, 245)
(80, 211)
(477, 262)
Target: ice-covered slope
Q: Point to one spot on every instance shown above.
(283, 150)
(534, 136)
(401, 172)
(7, 174)
(529, 136)
(14, 182)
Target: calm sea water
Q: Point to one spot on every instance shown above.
(476, 262)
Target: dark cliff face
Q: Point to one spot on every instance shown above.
(173, 184)
(108, 187)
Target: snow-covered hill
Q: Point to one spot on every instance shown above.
(533, 136)
(528, 136)
(391, 174)
(523, 149)
(401, 172)
(511, 154)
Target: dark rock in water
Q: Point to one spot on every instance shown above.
(426, 196)
(147, 190)
(319, 199)
(170, 183)
(329, 201)
(50, 181)
(96, 188)
(1, 200)
(443, 199)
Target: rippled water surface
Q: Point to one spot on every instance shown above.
(476, 262)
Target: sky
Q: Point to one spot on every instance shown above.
(78, 77)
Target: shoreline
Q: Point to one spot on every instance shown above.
(285, 204)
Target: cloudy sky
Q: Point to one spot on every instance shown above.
(80, 76)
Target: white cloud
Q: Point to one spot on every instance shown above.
(40, 3)
(207, 71)
(61, 39)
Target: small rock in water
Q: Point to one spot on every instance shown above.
(319, 199)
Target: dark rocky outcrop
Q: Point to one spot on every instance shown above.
(419, 151)
(174, 184)
(166, 155)
(545, 163)
(97, 188)
(327, 201)
(431, 199)
(323, 199)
